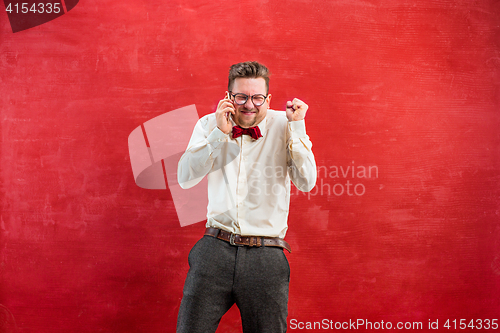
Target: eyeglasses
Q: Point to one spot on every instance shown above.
(257, 99)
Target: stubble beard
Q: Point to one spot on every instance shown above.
(247, 123)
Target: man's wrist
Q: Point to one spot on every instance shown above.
(297, 128)
(223, 131)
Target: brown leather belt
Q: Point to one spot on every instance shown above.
(238, 240)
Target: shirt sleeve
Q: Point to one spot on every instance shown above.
(300, 158)
(198, 159)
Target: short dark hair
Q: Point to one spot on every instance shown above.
(248, 69)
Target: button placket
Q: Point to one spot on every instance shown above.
(242, 188)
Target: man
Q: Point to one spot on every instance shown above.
(249, 153)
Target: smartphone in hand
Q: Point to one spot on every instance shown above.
(228, 97)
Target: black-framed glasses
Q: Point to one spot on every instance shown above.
(257, 99)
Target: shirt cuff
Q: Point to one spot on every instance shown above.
(216, 137)
(297, 129)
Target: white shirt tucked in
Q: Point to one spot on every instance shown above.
(249, 180)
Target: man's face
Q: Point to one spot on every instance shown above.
(249, 115)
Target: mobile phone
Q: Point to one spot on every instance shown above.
(228, 96)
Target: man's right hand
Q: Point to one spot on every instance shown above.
(222, 115)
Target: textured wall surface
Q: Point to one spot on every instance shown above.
(403, 225)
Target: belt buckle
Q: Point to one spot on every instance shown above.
(231, 240)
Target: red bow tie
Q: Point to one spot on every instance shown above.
(254, 132)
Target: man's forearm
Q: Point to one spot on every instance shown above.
(302, 165)
(198, 159)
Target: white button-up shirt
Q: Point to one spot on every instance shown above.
(249, 180)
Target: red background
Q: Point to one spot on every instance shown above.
(411, 87)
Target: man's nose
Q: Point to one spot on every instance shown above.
(249, 104)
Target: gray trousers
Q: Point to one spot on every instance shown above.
(220, 274)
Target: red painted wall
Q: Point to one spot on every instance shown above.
(408, 90)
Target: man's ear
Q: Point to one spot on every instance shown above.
(269, 100)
